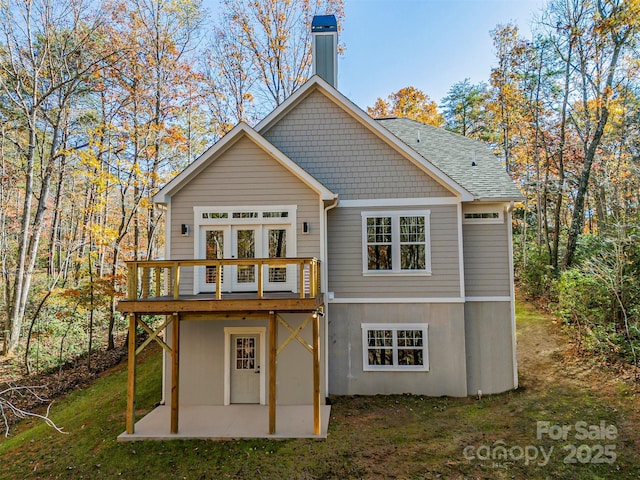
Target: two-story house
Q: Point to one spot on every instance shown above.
(323, 252)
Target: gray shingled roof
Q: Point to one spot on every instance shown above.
(454, 155)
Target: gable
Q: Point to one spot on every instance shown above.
(346, 155)
(215, 152)
(244, 174)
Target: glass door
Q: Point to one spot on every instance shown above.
(277, 278)
(244, 277)
(213, 245)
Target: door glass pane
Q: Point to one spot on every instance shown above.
(245, 353)
(246, 242)
(277, 249)
(214, 249)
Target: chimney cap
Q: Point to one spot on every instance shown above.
(324, 23)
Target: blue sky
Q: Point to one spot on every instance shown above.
(429, 44)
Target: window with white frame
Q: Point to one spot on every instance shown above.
(395, 347)
(483, 214)
(396, 242)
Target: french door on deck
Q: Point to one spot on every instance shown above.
(247, 242)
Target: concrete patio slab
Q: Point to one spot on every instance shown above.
(230, 422)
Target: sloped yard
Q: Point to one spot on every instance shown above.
(569, 420)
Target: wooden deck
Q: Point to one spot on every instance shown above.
(154, 289)
(229, 305)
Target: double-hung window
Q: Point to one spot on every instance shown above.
(396, 242)
(395, 347)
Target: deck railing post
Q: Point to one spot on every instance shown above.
(176, 281)
(219, 269)
(158, 271)
(145, 282)
(132, 281)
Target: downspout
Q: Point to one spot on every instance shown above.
(324, 269)
(513, 298)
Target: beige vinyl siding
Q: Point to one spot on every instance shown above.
(346, 156)
(346, 278)
(486, 260)
(243, 175)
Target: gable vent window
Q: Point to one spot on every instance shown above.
(484, 215)
(395, 347)
(396, 242)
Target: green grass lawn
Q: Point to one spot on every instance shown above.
(400, 436)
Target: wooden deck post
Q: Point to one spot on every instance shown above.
(316, 374)
(273, 345)
(131, 379)
(175, 371)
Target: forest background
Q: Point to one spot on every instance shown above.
(101, 103)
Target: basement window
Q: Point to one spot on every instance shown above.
(395, 347)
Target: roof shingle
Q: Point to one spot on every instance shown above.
(468, 162)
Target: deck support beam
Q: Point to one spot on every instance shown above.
(131, 378)
(273, 351)
(175, 371)
(316, 374)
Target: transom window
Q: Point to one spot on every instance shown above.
(395, 347)
(204, 215)
(396, 242)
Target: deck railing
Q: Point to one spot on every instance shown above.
(150, 279)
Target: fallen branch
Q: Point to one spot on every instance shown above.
(8, 407)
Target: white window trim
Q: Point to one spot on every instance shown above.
(395, 327)
(474, 209)
(395, 243)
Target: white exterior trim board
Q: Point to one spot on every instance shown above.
(379, 300)
(399, 202)
(488, 299)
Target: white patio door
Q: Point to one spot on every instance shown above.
(246, 242)
(245, 368)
